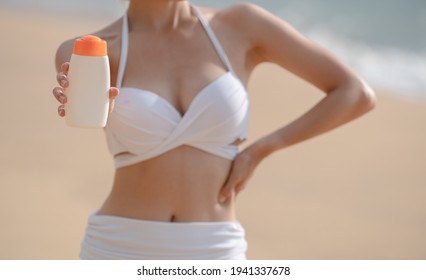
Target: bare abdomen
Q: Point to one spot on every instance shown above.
(181, 185)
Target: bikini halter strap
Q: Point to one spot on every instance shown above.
(125, 44)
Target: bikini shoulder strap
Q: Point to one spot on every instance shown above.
(219, 49)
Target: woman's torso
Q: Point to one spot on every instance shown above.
(183, 183)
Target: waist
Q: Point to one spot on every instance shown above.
(180, 185)
(125, 158)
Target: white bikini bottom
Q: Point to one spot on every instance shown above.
(113, 237)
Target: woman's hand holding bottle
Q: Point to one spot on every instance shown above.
(60, 91)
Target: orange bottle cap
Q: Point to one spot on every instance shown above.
(90, 45)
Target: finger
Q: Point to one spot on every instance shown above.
(229, 199)
(224, 199)
(61, 111)
(59, 95)
(225, 193)
(232, 192)
(62, 79)
(227, 190)
(65, 67)
(113, 92)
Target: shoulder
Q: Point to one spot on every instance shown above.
(244, 15)
(247, 20)
(241, 11)
(238, 14)
(65, 49)
(256, 27)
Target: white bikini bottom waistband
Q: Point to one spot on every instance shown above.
(113, 237)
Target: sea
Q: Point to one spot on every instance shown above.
(382, 40)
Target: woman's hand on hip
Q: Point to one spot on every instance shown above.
(60, 91)
(241, 171)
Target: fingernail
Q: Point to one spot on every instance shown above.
(62, 99)
(63, 83)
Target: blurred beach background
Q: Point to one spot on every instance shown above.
(355, 193)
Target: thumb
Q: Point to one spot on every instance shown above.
(113, 93)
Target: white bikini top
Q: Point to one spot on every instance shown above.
(144, 125)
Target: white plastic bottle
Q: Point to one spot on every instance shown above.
(89, 82)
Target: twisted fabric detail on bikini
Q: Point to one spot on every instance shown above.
(144, 125)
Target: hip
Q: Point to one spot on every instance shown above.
(111, 237)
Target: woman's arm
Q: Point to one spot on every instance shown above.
(346, 95)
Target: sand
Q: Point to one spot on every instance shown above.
(355, 193)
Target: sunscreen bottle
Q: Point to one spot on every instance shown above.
(89, 82)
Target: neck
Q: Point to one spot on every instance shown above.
(158, 15)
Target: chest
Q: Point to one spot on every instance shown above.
(176, 66)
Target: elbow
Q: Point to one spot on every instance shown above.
(361, 97)
(367, 97)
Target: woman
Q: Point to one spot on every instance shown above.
(182, 112)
